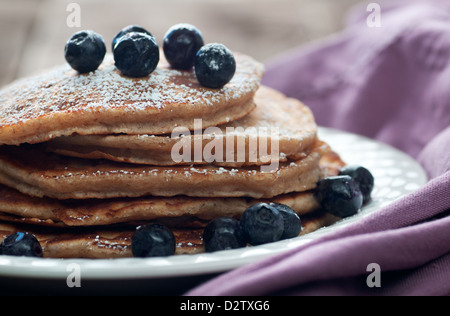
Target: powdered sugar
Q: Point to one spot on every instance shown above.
(64, 90)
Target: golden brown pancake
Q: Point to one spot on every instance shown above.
(290, 122)
(61, 102)
(32, 171)
(115, 241)
(179, 211)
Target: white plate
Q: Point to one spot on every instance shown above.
(396, 174)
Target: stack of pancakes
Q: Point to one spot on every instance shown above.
(86, 158)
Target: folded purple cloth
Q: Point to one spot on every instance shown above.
(391, 84)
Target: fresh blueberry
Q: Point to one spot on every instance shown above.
(214, 65)
(136, 54)
(21, 244)
(223, 233)
(363, 178)
(262, 223)
(181, 44)
(153, 240)
(126, 30)
(85, 51)
(292, 222)
(339, 196)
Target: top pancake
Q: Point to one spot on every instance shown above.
(61, 102)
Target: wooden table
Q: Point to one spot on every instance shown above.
(33, 32)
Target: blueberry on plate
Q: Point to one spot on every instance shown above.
(363, 178)
(85, 51)
(136, 54)
(223, 233)
(21, 244)
(339, 196)
(261, 224)
(126, 30)
(153, 240)
(215, 65)
(181, 44)
(292, 222)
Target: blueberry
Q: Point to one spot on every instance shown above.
(153, 240)
(181, 44)
(262, 223)
(136, 54)
(363, 178)
(85, 51)
(214, 65)
(223, 233)
(128, 29)
(21, 244)
(292, 222)
(339, 196)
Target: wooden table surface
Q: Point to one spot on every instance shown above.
(33, 32)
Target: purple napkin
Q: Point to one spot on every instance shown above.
(390, 83)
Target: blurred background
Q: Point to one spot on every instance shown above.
(33, 32)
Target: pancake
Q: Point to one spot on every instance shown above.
(295, 134)
(96, 243)
(34, 172)
(115, 242)
(61, 102)
(179, 211)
